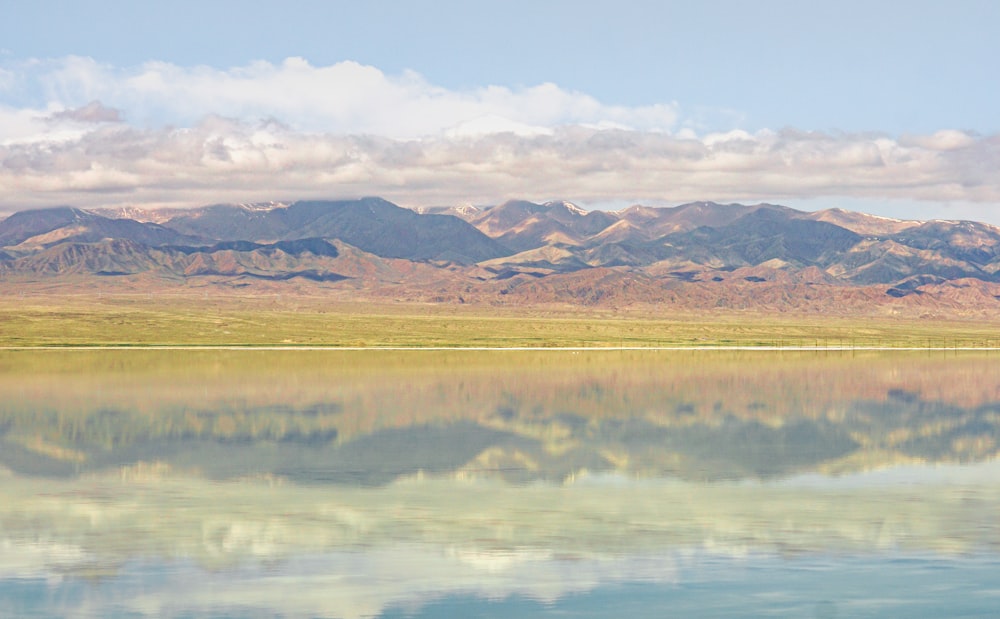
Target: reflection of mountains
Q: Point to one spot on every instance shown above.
(369, 418)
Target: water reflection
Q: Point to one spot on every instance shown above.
(365, 484)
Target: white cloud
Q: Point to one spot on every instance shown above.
(940, 140)
(225, 159)
(346, 97)
(492, 124)
(189, 136)
(93, 112)
(17, 124)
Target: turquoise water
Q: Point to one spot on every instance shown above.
(308, 484)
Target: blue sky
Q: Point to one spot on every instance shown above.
(886, 106)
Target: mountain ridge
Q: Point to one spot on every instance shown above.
(699, 254)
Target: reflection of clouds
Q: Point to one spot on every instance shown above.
(362, 584)
(499, 560)
(412, 578)
(23, 558)
(335, 584)
(176, 547)
(490, 526)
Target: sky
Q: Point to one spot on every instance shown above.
(888, 107)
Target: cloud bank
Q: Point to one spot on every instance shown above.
(344, 98)
(75, 131)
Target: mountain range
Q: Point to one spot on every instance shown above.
(701, 255)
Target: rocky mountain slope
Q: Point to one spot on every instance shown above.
(698, 255)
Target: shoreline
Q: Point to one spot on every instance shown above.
(308, 348)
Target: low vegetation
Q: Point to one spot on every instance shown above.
(284, 320)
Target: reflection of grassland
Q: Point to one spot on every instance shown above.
(143, 320)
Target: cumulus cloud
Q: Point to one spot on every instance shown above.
(93, 112)
(292, 130)
(225, 159)
(346, 97)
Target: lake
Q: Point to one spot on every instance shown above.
(352, 484)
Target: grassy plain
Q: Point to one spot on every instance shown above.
(284, 320)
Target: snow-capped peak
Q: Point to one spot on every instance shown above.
(569, 206)
(262, 206)
(466, 208)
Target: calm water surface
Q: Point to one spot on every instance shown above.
(499, 484)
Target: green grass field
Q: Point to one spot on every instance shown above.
(146, 320)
